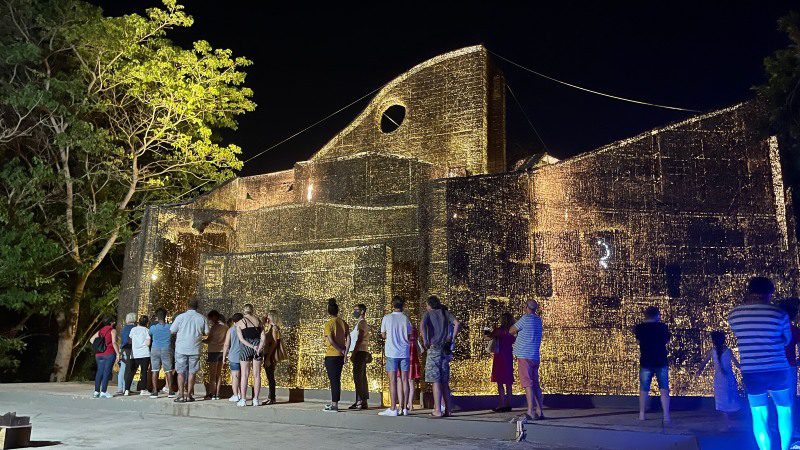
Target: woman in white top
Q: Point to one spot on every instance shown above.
(140, 349)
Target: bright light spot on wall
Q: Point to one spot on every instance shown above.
(605, 253)
(309, 192)
(154, 276)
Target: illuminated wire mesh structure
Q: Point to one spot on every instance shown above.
(414, 198)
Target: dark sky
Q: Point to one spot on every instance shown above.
(312, 58)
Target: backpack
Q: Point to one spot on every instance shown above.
(99, 344)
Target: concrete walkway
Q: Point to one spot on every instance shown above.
(54, 406)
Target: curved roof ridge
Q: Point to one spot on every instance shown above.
(388, 86)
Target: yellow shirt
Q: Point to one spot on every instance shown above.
(337, 329)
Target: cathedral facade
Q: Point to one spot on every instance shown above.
(415, 197)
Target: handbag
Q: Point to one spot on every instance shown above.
(493, 346)
(99, 344)
(280, 352)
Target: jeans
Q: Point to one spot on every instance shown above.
(121, 376)
(105, 364)
(270, 370)
(134, 365)
(646, 375)
(333, 366)
(360, 375)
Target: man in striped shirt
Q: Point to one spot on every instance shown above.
(528, 331)
(762, 331)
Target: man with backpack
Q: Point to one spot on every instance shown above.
(438, 330)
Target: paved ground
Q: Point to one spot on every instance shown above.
(119, 429)
(66, 413)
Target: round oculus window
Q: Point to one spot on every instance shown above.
(392, 118)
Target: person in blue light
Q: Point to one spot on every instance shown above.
(762, 331)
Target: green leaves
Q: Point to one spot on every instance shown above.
(100, 117)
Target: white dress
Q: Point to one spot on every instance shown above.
(726, 390)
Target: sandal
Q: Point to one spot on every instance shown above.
(356, 405)
(180, 400)
(270, 401)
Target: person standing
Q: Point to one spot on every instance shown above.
(414, 369)
(215, 341)
(762, 331)
(106, 354)
(503, 361)
(439, 329)
(231, 350)
(790, 305)
(250, 332)
(272, 336)
(337, 340)
(188, 328)
(396, 331)
(140, 352)
(360, 356)
(124, 354)
(161, 352)
(653, 336)
(528, 333)
(726, 390)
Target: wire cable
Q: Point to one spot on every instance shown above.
(516, 100)
(591, 91)
(315, 123)
(245, 161)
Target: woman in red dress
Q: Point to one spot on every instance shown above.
(414, 372)
(503, 361)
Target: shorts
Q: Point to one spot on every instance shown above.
(758, 384)
(235, 366)
(646, 378)
(214, 357)
(437, 366)
(161, 358)
(395, 364)
(187, 363)
(528, 373)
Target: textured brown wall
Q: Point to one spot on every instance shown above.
(448, 101)
(687, 213)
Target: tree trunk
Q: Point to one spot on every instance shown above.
(67, 320)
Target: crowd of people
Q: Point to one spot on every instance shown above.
(766, 338)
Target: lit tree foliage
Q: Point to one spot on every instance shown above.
(119, 117)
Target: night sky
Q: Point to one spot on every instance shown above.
(311, 59)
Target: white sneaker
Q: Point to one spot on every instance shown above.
(388, 412)
(126, 393)
(144, 392)
(234, 398)
(256, 402)
(165, 389)
(96, 394)
(106, 395)
(241, 402)
(404, 412)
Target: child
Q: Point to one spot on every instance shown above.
(726, 391)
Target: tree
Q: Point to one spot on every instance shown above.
(781, 92)
(121, 116)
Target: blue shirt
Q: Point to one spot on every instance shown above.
(162, 337)
(126, 335)
(233, 350)
(529, 337)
